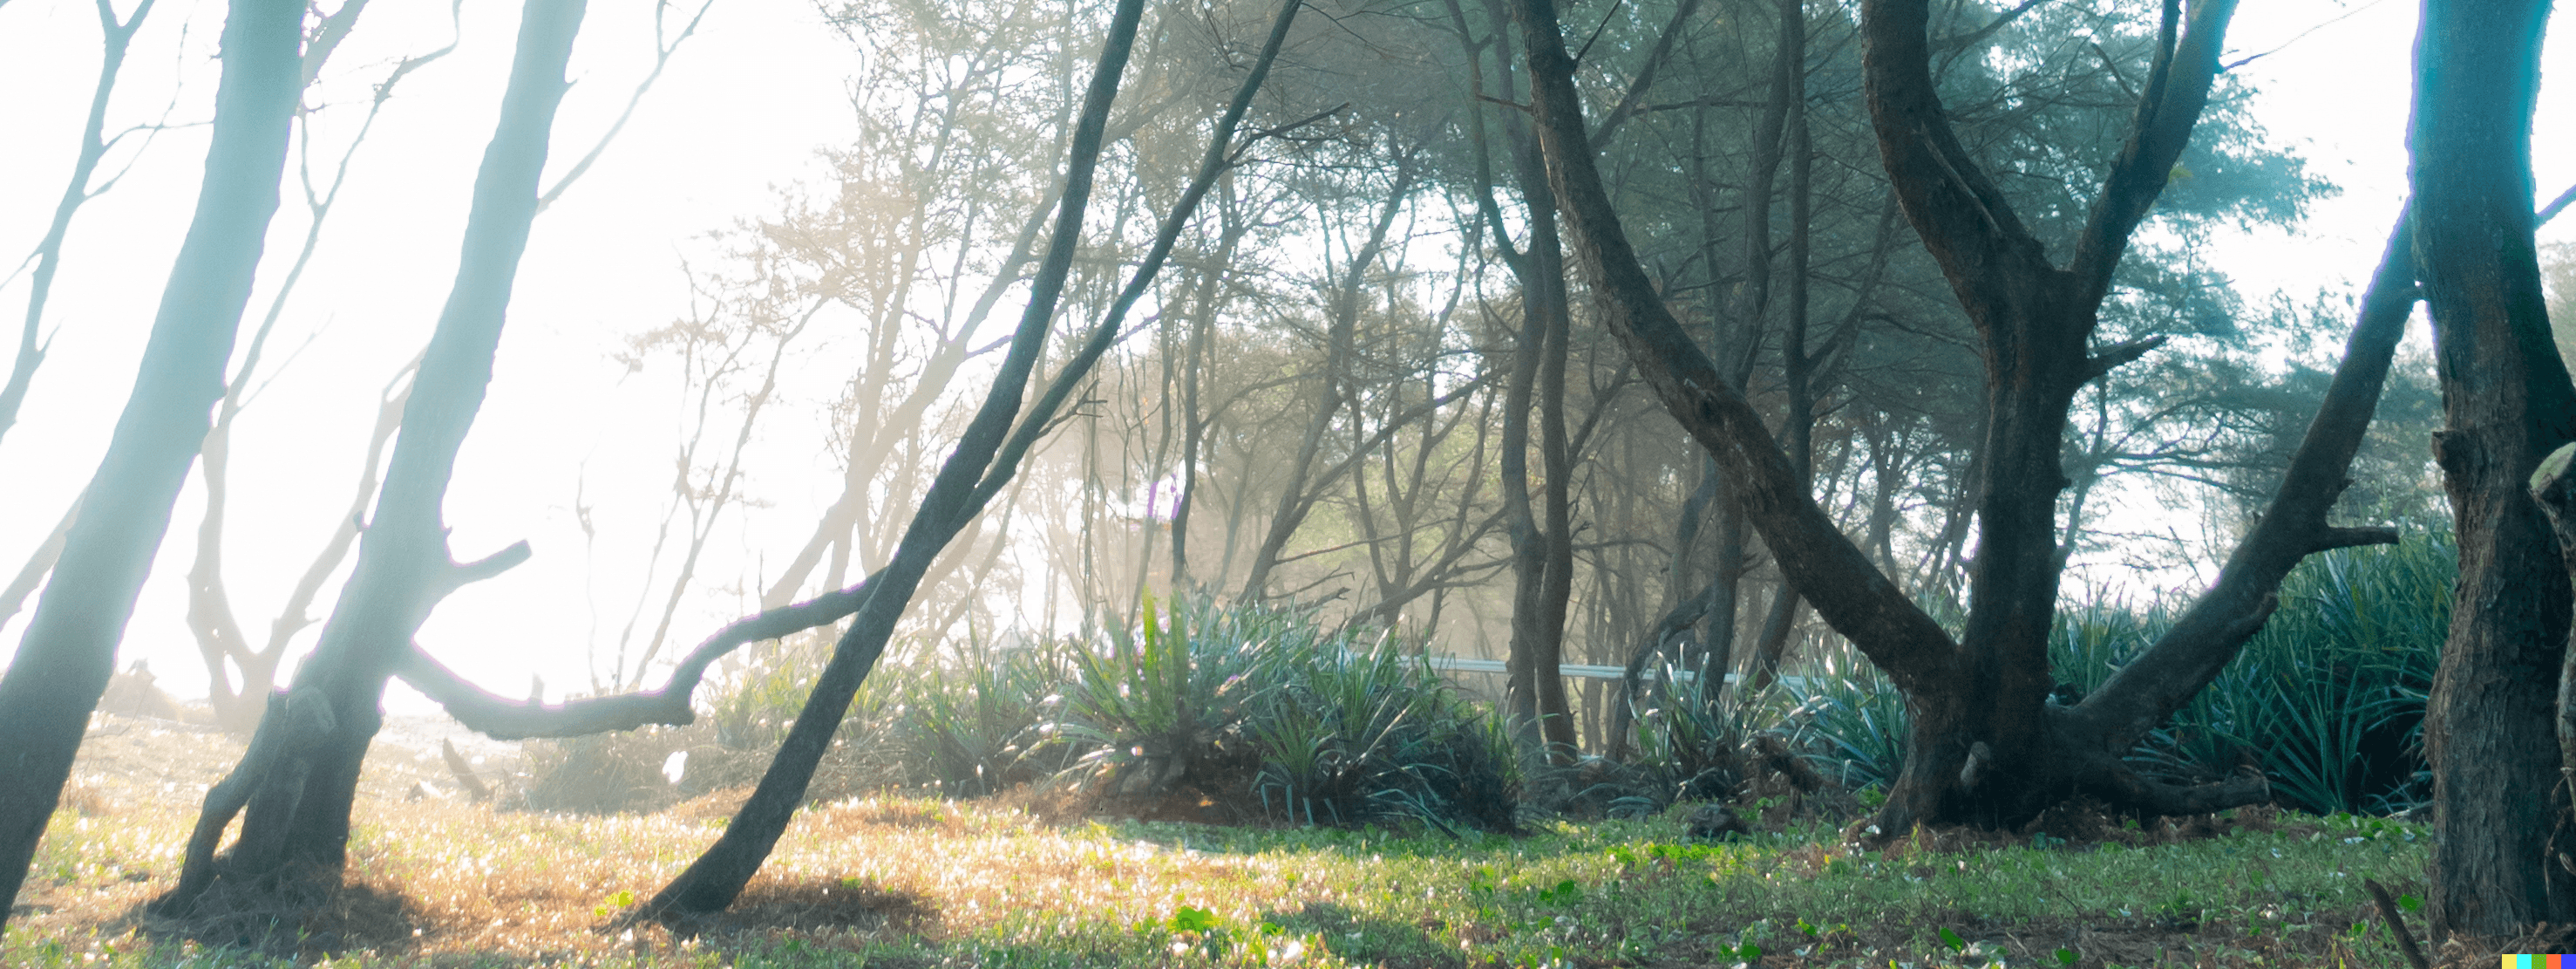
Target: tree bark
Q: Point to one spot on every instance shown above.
(69, 649)
(2553, 487)
(1540, 532)
(221, 645)
(1798, 424)
(1985, 746)
(2506, 403)
(299, 796)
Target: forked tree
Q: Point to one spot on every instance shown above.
(296, 785)
(1986, 744)
(116, 36)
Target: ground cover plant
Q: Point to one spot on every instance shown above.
(1041, 803)
(915, 881)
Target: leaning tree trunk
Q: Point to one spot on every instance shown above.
(69, 650)
(299, 778)
(2506, 404)
(1985, 745)
(987, 455)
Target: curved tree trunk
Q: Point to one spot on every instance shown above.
(1539, 528)
(2506, 404)
(1986, 746)
(63, 663)
(299, 779)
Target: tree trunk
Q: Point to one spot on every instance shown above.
(1797, 367)
(1540, 534)
(1684, 605)
(39, 564)
(2506, 404)
(299, 780)
(982, 464)
(69, 650)
(2553, 487)
(1546, 651)
(1194, 422)
(1985, 746)
(1305, 483)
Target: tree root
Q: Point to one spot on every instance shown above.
(2396, 923)
(2122, 786)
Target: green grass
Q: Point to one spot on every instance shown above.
(982, 883)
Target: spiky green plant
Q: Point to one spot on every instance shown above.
(1690, 734)
(2330, 695)
(1264, 709)
(1849, 718)
(1365, 729)
(1166, 698)
(2328, 698)
(973, 722)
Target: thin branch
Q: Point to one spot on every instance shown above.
(2554, 207)
(661, 58)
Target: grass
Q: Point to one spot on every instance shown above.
(920, 882)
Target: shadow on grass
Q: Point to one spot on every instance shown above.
(821, 918)
(289, 920)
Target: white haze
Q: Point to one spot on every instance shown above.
(738, 116)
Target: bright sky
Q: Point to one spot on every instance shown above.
(737, 116)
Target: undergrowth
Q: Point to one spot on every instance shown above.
(1235, 714)
(2328, 698)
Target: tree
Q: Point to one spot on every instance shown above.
(1986, 744)
(69, 649)
(116, 37)
(298, 780)
(1306, 478)
(2498, 864)
(238, 676)
(942, 156)
(986, 457)
(1540, 529)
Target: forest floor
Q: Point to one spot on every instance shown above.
(1018, 881)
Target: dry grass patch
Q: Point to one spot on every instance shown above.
(909, 881)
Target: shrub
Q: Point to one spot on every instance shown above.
(1365, 729)
(974, 722)
(2330, 695)
(1262, 709)
(2328, 698)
